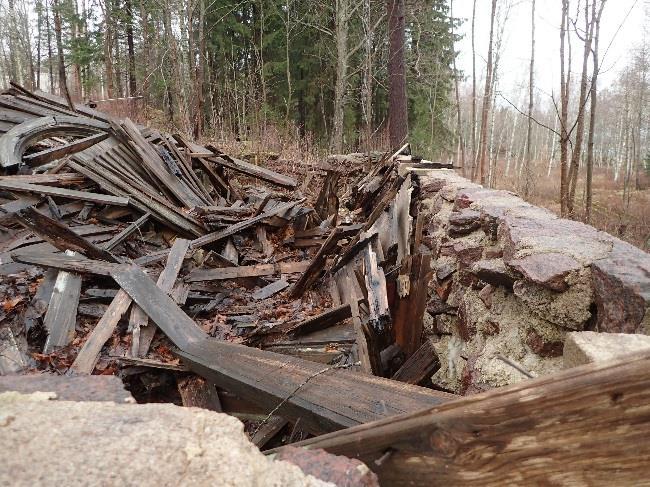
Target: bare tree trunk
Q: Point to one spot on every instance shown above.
(580, 122)
(367, 84)
(474, 151)
(342, 17)
(397, 99)
(592, 110)
(487, 98)
(130, 47)
(528, 177)
(108, 47)
(50, 54)
(63, 82)
(459, 121)
(564, 115)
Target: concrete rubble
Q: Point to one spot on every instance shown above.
(586, 347)
(103, 443)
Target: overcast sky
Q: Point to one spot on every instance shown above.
(624, 16)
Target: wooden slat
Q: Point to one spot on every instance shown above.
(255, 171)
(319, 322)
(103, 199)
(124, 234)
(55, 153)
(420, 366)
(87, 357)
(65, 263)
(61, 316)
(316, 266)
(165, 282)
(258, 270)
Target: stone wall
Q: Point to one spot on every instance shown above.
(511, 280)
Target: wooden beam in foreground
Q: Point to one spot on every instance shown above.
(584, 426)
(324, 398)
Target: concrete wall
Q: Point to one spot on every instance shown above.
(512, 280)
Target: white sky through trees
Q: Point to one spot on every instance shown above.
(625, 16)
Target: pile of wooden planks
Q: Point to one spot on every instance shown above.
(154, 256)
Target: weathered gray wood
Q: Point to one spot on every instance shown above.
(55, 153)
(270, 290)
(104, 199)
(258, 270)
(321, 321)
(316, 266)
(139, 321)
(87, 357)
(225, 233)
(65, 263)
(124, 234)
(61, 315)
(256, 171)
(268, 430)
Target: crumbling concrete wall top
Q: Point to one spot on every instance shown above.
(511, 279)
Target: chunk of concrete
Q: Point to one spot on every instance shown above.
(585, 347)
(103, 443)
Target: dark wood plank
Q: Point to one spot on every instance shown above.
(270, 290)
(316, 266)
(143, 331)
(128, 231)
(319, 322)
(65, 263)
(408, 311)
(267, 431)
(61, 236)
(196, 392)
(420, 366)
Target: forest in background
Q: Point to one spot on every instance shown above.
(289, 74)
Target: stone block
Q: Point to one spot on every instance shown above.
(586, 347)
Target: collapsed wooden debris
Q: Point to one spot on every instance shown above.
(167, 262)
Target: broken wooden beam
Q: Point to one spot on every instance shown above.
(420, 366)
(256, 171)
(316, 266)
(518, 434)
(61, 315)
(124, 234)
(60, 235)
(54, 153)
(294, 386)
(65, 263)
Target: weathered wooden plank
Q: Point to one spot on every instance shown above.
(326, 398)
(420, 366)
(319, 322)
(408, 311)
(258, 270)
(124, 234)
(270, 290)
(11, 185)
(87, 357)
(268, 430)
(64, 179)
(196, 392)
(65, 263)
(140, 323)
(54, 153)
(585, 426)
(225, 233)
(377, 296)
(61, 236)
(61, 315)
(256, 171)
(316, 266)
